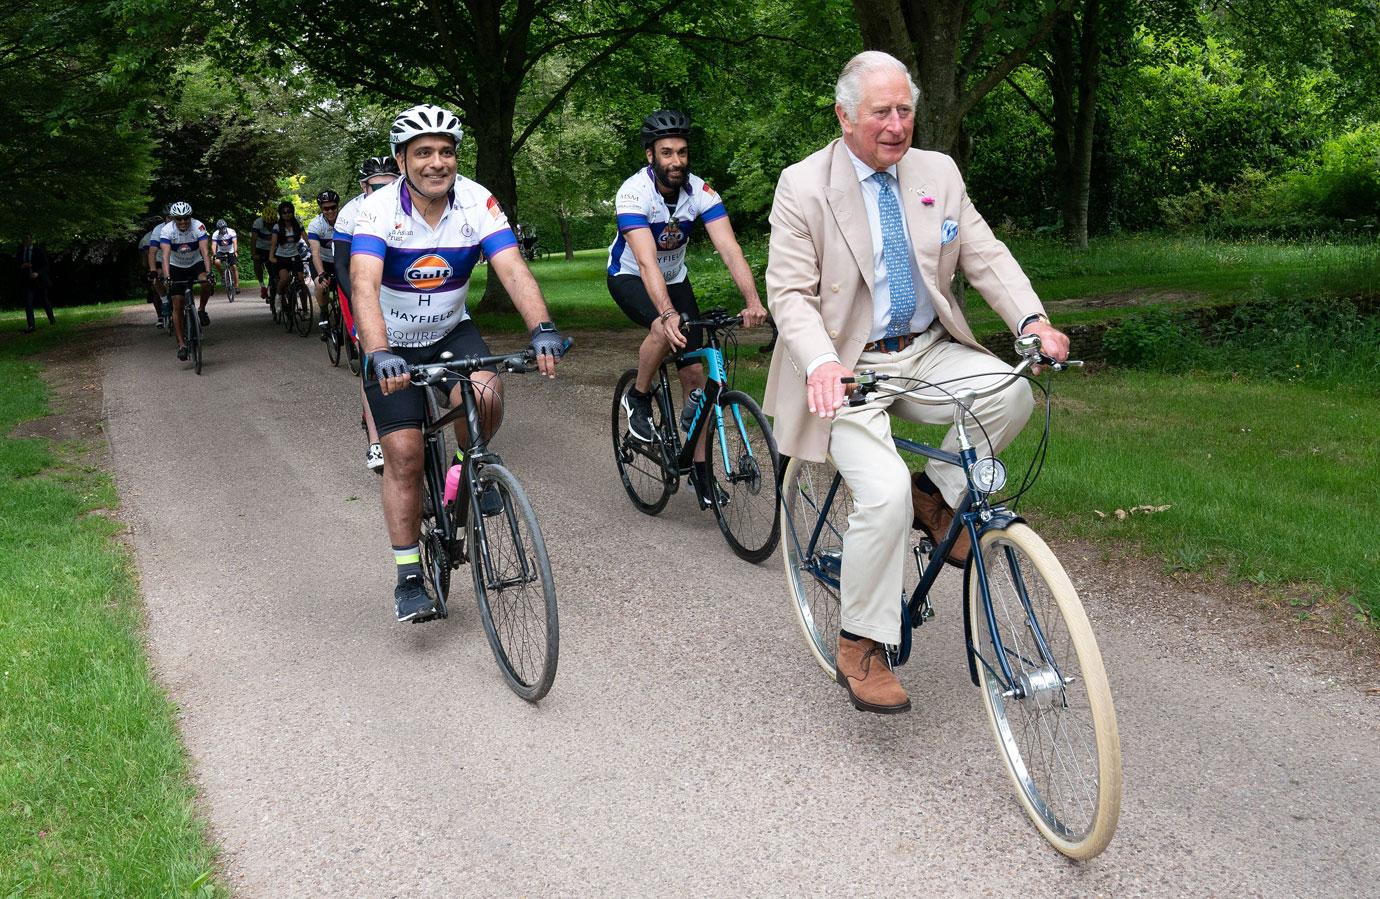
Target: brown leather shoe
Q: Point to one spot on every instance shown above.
(933, 516)
(861, 668)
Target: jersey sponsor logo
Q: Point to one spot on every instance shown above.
(494, 210)
(709, 190)
(671, 237)
(428, 272)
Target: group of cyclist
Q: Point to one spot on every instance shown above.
(400, 255)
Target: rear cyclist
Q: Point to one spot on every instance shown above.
(416, 242)
(320, 238)
(186, 257)
(226, 244)
(657, 209)
(375, 173)
(283, 248)
(263, 239)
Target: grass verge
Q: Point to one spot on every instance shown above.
(95, 798)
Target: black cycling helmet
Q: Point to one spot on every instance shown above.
(664, 123)
(327, 196)
(378, 165)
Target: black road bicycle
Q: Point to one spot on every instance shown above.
(481, 515)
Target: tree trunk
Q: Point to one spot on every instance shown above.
(493, 168)
(1076, 58)
(567, 236)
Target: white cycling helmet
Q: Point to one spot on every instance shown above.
(180, 210)
(420, 120)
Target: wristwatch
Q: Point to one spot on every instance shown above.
(1025, 322)
(544, 328)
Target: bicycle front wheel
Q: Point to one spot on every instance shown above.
(302, 313)
(514, 586)
(639, 464)
(1053, 721)
(815, 505)
(334, 337)
(743, 461)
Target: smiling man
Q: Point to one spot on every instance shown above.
(866, 237)
(415, 243)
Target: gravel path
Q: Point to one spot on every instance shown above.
(690, 745)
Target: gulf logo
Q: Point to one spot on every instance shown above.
(428, 272)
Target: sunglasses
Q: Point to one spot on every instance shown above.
(331, 208)
(375, 185)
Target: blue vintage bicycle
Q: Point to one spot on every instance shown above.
(743, 461)
(1030, 649)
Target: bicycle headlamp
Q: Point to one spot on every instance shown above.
(989, 475)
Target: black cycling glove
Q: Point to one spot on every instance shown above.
(381, 365)
(547, 341)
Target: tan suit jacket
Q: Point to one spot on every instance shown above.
(820, 273)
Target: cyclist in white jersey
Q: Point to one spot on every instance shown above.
(321, 246)
(225, 246)
(375, 173)
(415, 243)
(657, 210)
(285, 248)
(186, 257)
(263, 240)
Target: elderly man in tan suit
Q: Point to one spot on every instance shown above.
(866, 237)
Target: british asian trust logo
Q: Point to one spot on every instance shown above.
(428, 272)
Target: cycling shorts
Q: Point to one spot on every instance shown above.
(406, 409)
(631, 295)
(226, 258)
(189, 273)
(291, 264)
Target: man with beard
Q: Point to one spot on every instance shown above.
(657, 209)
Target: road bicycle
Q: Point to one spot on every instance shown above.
(191, 323)
(333, 327)
(475, 511)
(297, 306)
(1030, 648)
(743, 462)
(227, 275)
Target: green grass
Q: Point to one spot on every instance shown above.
(1181, 271)
(95, 798)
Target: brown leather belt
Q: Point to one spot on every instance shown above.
(890, 344)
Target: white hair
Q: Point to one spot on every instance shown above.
(848, 90)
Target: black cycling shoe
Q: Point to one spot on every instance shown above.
(323, 324)
(205, 319)
(703, 495)
(182, 354)
(411, 601)
(490, 501)
(639, 410)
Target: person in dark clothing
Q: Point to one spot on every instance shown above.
(32, 273)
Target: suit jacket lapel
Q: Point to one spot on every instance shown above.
(923, 222)
(846, 202)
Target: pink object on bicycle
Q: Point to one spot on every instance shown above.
(452, 484)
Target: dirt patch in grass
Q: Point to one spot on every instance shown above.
(1140, 296)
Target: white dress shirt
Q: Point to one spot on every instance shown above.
(881, 285)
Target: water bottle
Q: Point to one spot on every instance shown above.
(692, 405)
(453, 483)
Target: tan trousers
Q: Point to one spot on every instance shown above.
(875, 546)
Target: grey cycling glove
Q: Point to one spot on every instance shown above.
(381, 365)
(547, 341)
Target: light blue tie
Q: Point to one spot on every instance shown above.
(896, 254)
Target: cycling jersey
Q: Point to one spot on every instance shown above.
(151, 238)
(263, 234)
(288, 243)
(345, 218)
(184, 247)
(640, 205)
(426, 271)
(223, 241)
(320, 232)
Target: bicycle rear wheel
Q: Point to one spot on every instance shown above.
(744, 463)
(302, 313)
(334, 337)
(1055, 725)
(288, 313)
(514, 586)
(815, 505)
(639, 464)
